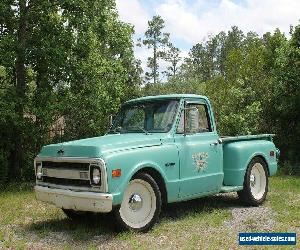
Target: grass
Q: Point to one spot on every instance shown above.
(210, 223)
(284, 198)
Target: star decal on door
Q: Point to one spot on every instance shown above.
(200, 160)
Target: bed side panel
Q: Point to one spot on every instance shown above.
(237, 156)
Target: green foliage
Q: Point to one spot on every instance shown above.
(286, 98)
(68, 60)
(289, 167)
(173, 58)
(157, 41)
(102, 76)
(7, 120)
(3, 168)
(253, 83)
(73, 62)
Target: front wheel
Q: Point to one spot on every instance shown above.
(255, 183)
(141, 204)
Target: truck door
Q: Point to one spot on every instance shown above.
(199, 153)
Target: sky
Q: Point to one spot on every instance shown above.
(191, 21)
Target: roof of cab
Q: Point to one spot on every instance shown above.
(171, 96)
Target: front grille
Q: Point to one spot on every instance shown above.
(66, 165)
(66, 182)
(71, 174)
(66, 173)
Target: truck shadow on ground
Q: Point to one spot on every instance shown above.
(103, 224)
(180, 210)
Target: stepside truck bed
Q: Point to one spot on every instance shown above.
(238, 152)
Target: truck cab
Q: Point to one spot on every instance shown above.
(158, 150)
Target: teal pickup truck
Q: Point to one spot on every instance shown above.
(158, 150)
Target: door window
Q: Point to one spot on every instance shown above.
(196, 119)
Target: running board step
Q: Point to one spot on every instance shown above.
(228, 189)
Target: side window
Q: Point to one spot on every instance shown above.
(204, 121)
(197, 119)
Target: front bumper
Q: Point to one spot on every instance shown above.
(79, 201)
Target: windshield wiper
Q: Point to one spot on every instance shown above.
(141, 129)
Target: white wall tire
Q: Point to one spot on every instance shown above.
(258, 180)
(141, 204)
(255, 183)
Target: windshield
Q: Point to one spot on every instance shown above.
(143, 117)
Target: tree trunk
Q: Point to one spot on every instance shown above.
(20, 73)
(174, 68)
(154, 63)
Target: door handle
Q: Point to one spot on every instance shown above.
(219, 141)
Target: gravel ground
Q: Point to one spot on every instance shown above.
(251, 218)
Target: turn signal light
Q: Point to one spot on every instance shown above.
(272, 153)
(116, 173)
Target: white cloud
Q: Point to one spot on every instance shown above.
(184, 54)
(131, 11)
(142, 54)
(194, 22)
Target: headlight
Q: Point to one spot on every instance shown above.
(39, 170)
(95, 175)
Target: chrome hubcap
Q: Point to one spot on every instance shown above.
(139, 204)
(135, 202)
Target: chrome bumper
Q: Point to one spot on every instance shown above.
(79, 201)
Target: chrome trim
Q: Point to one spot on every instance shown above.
(65, 173)
(91, 175)
(73, 188)
(79, 201)
(92, 161)
(135, 202)
(35, 169)
(34, 166)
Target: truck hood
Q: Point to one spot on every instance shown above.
(99, 146)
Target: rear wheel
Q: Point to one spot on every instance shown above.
(141, 204)
(255, 183)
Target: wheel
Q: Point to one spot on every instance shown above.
(75, 215)
(255, 183)
(141, 204)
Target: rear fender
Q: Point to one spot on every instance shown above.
(237, 156)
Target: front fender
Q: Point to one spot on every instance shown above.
(132, 161)
(128, 177)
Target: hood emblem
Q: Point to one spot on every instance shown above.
(60, 152)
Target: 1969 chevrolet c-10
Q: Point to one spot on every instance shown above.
(158, 150)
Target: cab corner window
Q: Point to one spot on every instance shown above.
(196, 119)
